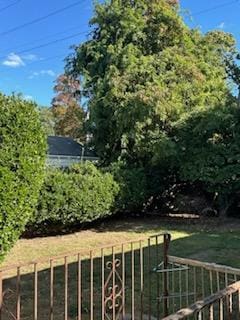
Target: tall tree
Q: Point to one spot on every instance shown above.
(143, 68)
(69, 116)
(225, 43)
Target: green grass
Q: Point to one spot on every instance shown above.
(208, 240)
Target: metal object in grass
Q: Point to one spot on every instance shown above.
(172, 268)
(164, 270)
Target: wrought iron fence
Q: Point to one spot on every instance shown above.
(135, 280)
(114, 282)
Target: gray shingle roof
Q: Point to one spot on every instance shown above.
(63, 146)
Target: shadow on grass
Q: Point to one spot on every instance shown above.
(117, 223)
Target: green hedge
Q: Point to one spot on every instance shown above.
(22, 161)
(133, 187)
(82, 194)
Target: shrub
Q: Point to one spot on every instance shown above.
(82, 194)
(133, 187)
(22, 161)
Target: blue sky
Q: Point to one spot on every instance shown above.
(32, 71)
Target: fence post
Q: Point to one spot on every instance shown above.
(166, 242)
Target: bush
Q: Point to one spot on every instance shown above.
(133, 187)
(22, 161)
(82, 194)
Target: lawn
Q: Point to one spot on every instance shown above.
(208, 240)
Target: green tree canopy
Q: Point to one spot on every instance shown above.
(142, 69)
(208, 142)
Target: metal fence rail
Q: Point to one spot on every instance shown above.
(114, 282)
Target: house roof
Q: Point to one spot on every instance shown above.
(63, 146)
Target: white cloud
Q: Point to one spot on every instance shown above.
(36, 74)
(13, 61)
(221, 25)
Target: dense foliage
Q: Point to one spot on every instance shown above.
(143, 69)
(133, 187)
(208, 144)
(81, 194)
(22, 161)
(160, 99)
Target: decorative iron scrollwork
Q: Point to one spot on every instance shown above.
(113, 291)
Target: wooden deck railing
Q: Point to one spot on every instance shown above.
(213, 267)
(224, 300)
